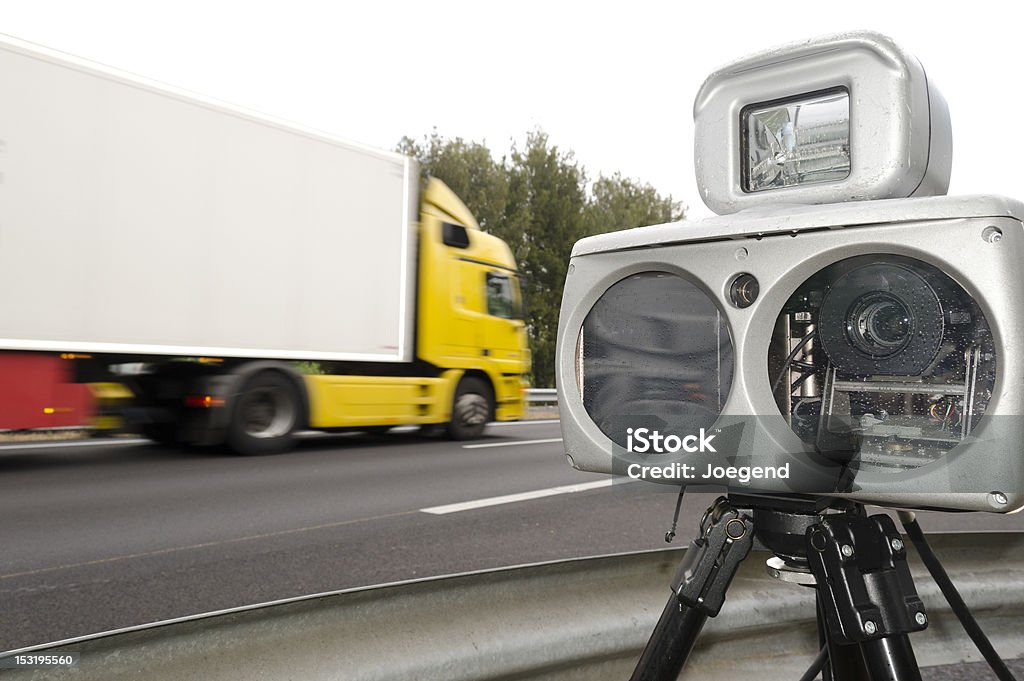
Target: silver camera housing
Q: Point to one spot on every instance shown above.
(900, 134)
(782, 248)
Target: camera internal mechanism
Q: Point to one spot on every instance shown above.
(884, 362)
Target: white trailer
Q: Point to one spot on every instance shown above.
(210, 252)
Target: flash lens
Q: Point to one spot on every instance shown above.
(655, 348)
(798, 141)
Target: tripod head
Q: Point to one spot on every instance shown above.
(781, 524)
(867, 603)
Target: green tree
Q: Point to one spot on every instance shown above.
(621, 203)
(545, 213)
(538, 202)
(469, 169)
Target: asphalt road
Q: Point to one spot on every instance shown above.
(109, 535)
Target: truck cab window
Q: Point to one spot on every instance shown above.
(501, 300)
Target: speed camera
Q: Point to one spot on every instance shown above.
(840, 328)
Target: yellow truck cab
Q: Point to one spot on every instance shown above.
(470, 342)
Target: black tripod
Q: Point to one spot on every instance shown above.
(866, 600)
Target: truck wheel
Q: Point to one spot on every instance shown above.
(265, 415)
(471, 409)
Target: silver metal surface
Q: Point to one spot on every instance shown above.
(542, 396)
(581, 619)
(898, 387)
(779, 569)
(757, 223)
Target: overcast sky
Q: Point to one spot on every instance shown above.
(614, 82)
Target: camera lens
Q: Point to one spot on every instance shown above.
(744, 290)
(879, 324)
(881, 316)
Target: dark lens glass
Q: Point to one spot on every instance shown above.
(655, 349)
(888, 323)
(879, 324)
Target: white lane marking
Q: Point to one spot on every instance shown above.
(512, 498)
(534, 422)
(310, 434)
(75, 443)
(510, 444)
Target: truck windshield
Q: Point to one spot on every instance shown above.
(502, 300)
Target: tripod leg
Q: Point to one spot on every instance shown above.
(671, 642)
(890, 659)
(866, 594)
(823, 638)
(845, 663)
(698, 591)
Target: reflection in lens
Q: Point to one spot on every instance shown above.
(654, 349)
(804, 140)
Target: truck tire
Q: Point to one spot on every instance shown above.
(471, 409)
(265, 415)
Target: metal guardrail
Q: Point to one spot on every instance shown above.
(542, 396)
(574, 619)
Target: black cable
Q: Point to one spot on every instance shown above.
(792, 355)
(800, 381)
(671, 534)
(817, 665)
(953, 597)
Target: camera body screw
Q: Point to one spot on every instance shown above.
(846, 550)
(870, 628)
(897, 544)
(921, 618)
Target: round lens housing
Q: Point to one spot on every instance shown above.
(879, 324)
(654, 350)
(882, 362)
(744, 290)
(882, 317)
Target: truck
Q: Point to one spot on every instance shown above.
(269, 278)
